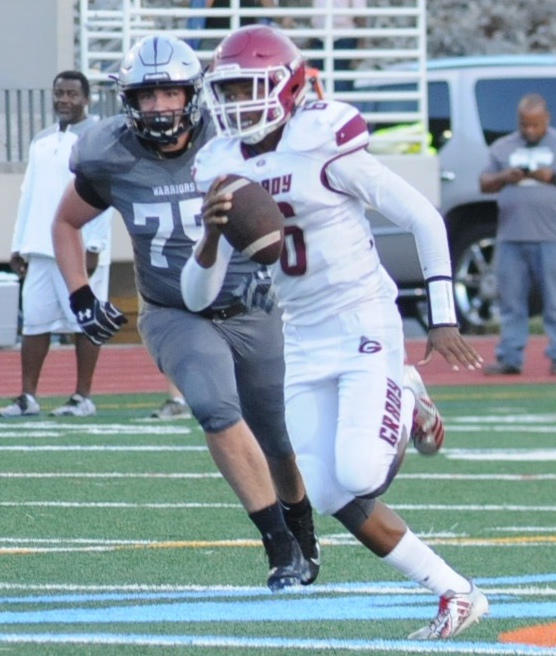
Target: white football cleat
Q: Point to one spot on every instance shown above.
(75, 406)
(456, 613)
(427, 429)
(24, 406)
(172, 409)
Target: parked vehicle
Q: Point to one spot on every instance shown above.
(471, 102)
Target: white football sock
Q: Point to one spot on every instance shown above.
(421, 564)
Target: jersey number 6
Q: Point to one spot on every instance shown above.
(293, 258)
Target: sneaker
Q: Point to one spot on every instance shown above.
(456, 612)
(501, 369)
(76, 406)
(24, 406)
(171, 409)
(427, 429)
(287, 565)
(303, 530)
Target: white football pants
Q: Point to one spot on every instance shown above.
(343, 394)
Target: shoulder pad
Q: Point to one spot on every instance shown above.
(219, 156)
(330, 126)
(100, 148)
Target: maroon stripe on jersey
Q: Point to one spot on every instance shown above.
(353, 128)
(323, 177)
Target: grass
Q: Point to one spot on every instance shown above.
(119, 537)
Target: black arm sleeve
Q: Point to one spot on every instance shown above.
(88, 193)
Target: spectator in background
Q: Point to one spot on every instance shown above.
(343, 22)
(46, 307)
(522, 168)
(221, 22)
(195, 22)
(174, 406)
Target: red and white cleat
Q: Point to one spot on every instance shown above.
(456, 612)
(427, 429)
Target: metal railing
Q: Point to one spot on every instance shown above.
(387, 79)
(25, 112)
(390, 48)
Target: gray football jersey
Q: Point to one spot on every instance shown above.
(159, 203)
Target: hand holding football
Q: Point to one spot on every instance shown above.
(255, 225)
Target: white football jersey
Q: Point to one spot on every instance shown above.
(322, 178)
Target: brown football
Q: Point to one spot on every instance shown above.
(255, 224)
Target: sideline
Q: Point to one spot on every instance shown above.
(128, 369)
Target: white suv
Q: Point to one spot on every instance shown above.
(472, 101)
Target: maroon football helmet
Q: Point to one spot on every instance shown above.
(273, 66)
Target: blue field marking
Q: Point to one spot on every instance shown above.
(148, 592)
(296, 645)
(367, 608)
(371, 601)
(332, 602)
(517, 580)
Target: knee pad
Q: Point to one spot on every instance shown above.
(354, 514)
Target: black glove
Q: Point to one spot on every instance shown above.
(99, 321)
(256, 291)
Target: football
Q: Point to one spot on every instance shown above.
(255, 224)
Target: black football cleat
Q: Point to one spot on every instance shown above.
(303, 530)
(288, 567)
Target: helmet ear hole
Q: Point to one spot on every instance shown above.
(130, 97)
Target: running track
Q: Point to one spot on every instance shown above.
(125, 369)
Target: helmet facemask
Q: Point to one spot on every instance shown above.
(158, 62)
(269, 89)
(166, 126)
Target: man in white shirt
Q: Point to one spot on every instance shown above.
(45, 301)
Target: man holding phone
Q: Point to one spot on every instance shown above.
(522, 168)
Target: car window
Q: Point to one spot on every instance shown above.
(497, 101)
(438, 104)
(440, 125)
(391, 105)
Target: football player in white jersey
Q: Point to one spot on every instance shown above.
(348, 408)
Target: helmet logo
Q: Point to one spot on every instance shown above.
(156, 77)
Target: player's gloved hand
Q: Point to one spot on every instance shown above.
(98, 320)
(256, 291)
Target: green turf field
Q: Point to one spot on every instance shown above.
(119, 537)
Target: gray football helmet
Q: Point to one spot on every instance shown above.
(160, 61)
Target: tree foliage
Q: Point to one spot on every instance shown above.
(483, 27)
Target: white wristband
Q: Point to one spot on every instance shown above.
(440, 298)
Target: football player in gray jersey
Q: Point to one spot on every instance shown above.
(227, 360)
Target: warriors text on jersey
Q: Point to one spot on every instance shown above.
(158, 201)
(322, 178)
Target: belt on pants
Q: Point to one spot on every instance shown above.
(214, 314)
(221, 314)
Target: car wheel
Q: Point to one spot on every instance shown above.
(474, 280)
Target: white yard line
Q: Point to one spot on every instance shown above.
(192, 475)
